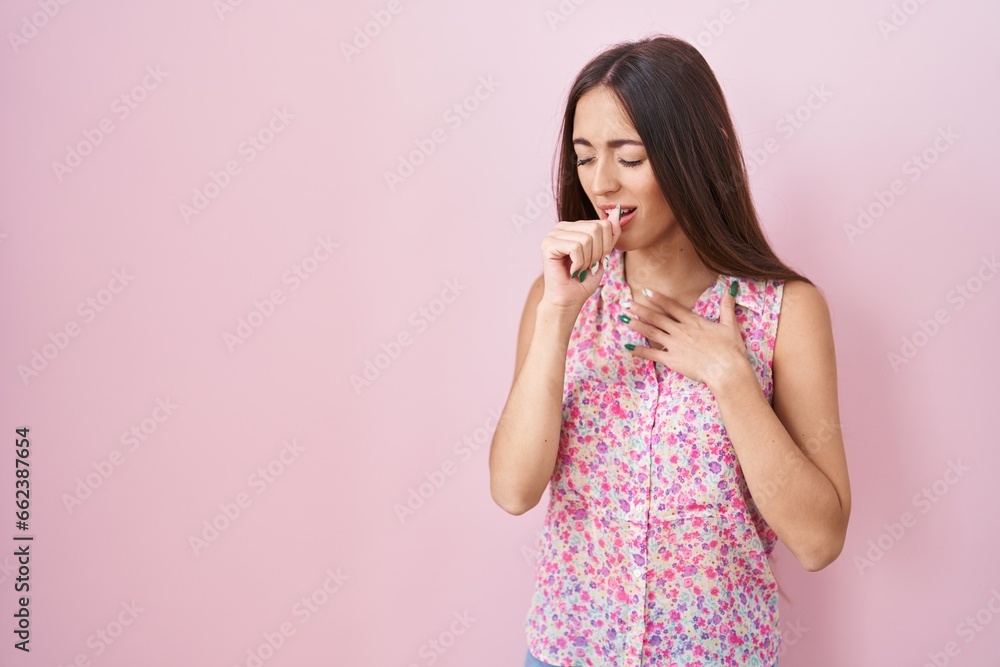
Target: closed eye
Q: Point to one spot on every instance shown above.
(624, 163)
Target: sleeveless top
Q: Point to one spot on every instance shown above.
(652, 551)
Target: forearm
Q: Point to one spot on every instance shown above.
(526, 441)
(795, 497)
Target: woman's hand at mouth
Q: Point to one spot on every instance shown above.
(574, 257)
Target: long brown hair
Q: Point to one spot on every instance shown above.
(675, 103)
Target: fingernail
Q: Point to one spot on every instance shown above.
(629, 346)
(648, 292)
(733, 287)
(619, 210)
(606, 262)
(625, 318)
(593, 267)
(583, 275)
(575, 272)
(626, 306)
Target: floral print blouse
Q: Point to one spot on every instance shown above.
(653, 552)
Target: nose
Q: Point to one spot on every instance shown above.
(605, 177)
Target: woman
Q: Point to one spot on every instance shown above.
(682, 425)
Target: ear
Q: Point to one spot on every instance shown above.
(727, 312)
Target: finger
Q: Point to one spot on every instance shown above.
(727, 312)
(646, 303)
(656, 336)
(588, 234)
(601, 230)
(559, 250)
(659, 356)
(668, 305)
(657, 318)
(614, 230)
(601, 240)
(578, 245)
(607, 237)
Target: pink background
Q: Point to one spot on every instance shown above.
(427, 278)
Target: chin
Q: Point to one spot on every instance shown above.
(629, 240)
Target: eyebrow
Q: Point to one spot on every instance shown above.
(614, 143)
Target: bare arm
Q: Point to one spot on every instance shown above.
(793, 455)
(526, 441)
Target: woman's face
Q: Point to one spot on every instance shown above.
(613, 168)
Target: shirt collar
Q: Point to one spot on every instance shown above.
(750, 296)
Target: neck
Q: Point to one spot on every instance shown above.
(670, 268)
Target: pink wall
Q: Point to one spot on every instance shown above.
(199, 285)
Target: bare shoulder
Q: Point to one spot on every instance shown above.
(804, 299)
(804, 362)
(804, 318)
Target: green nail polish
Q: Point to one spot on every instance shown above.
(625, 318)
(629, 346)
(583, 275)
(733, 286)
(575, 272)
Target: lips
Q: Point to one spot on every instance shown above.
(606, 210)
(626, 216)
(627, 212)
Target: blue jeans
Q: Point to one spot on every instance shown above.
(532, 661)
